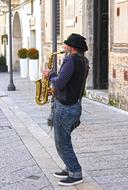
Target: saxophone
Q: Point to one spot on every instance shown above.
(43, 84)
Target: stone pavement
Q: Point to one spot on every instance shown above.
(18, 169)
(101, 141)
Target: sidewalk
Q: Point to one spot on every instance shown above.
(18, 169)
(100, 142)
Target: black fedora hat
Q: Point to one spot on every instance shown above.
(77, 41)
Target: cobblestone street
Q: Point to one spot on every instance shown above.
(101, 142)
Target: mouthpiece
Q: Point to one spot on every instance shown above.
(61, 52)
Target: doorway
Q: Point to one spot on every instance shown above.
(100, 55)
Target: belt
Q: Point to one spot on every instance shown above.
(68, 103)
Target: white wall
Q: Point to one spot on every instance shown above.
(37, 15)
(25, 17)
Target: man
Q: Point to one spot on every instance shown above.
(68, 90)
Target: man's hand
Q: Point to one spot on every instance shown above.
(50, 91)
(46, 73)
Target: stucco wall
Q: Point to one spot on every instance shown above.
(118, 80)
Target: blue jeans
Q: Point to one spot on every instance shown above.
(64, 118)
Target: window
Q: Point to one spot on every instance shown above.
(118, 11)
(70, 12)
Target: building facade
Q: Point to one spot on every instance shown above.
(72, 17)
(89, 18)
(26, 28)
(118, 54)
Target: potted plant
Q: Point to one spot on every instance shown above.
(3, 66)
(22, 54)
(33, 55)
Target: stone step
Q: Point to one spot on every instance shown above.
(98, 95)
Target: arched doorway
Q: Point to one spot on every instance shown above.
(100, 58)
(17, 40)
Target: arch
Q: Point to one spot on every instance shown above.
(17, 40)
